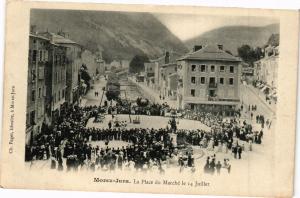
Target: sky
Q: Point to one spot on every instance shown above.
(187, 26)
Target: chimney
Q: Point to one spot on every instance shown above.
(197, 47)
(167, 57)
(220, 47)
(62, 33)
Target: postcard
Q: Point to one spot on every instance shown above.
(148, 98)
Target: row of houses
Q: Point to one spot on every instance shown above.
(266, 71)
(206, 79)
(54, 63)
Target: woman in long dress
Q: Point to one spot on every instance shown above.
(219, 147)
(224, 148)
(210, 146)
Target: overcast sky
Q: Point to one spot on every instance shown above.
(189, 26)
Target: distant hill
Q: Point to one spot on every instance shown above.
(120, 35)
(233, 37)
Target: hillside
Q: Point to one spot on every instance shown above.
(233, 37)
(120, 35)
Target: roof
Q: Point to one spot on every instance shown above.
(38, 36)
(173, 56)
(58, 38)
(210, 52)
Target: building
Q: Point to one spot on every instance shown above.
(172, 86)
(208, 80)
(125, 63)
(167, 70)
(36, 87)
(55, 77)
(266, 69)
(73, 64)
(149, 74)
(166, 59)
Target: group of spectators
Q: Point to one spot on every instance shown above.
(68, 141)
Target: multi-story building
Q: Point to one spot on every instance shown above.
(167, 70)
(55, 78)
(167, 60)
(36, 87)
(149, 74)
(266, 69)
(208, 80)
(73, 64)
(172, 86)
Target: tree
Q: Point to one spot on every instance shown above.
(248, 54)
(84, 74)
(136, 65)
(273, 40)
(112, 87)
(142, 102)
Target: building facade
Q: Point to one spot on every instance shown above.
(208, 80)
(56, 82)
(36, 86)
(166, 70)
(266, 69)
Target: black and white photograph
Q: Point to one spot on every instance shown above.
(151, 93)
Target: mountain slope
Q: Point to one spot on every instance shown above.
(233, 37)
(120, 35)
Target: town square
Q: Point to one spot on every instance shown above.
(204, 109)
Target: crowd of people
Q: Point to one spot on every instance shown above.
(67, 142)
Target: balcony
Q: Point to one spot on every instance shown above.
(212, 85)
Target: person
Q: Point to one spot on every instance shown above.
(53, 163)
(206, 166)
(250, 145)
(239, 151)
(109, 124)
(234, 150)
(227, 165)
(218, 167)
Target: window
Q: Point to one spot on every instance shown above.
(222, 81)
(33, 76)
(33, 95)
(222, 68)
(231, 69)
(40, 92)
(202, 80)
(55, 59)
(34, 52)
(63, 94)
(27, 120)
(212, 68)
(56, 77)
(193, 67)
(32, 117)
(41, 55)
(202, 68)
(175, 69)
(193, 92)
(193, 80)
(231, 81)
(29, 56)
(59, 95)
